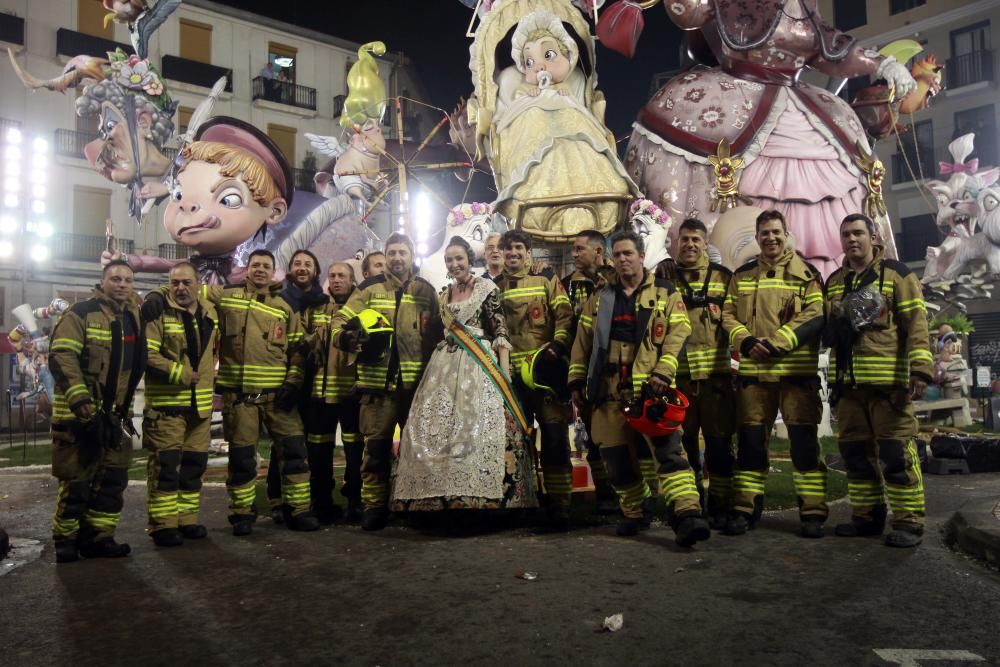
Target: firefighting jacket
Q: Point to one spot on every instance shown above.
(335, 377)
(537, 311)
(412, 309)
(179, 344)
(897, 344)
(579, 287)
(87, 347)
(662, 325)
(703, 287)
(781, 302)
(260, 338)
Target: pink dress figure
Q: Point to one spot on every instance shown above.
(798, 142)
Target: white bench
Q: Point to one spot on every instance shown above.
(959, 408)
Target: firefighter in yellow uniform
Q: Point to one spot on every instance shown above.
(386, 379)
(177, 421)
(590, 271)
(97, 357)
(774, 316)
(630, 334)
(539, 319)
(332, 401)
(260, 376)
(704, 374)
(877, 328)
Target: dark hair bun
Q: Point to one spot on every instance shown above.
(461, 243)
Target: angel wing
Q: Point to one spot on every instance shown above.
(78, 70)
(148, 22)
(202, 113)
(326, 145)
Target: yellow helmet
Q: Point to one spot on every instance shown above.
(541, 372)
(376, 339)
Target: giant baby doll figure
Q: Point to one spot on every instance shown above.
(801, 149)
(233, 183)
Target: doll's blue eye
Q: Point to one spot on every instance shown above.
(530, 62)
(550, 54)
(232, 201)
(176, 194)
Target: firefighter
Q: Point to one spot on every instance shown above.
(539, 318)
(177, 420)
(373, 264)
(630, 334)
(332, 400)
(590, 272)
(774, 316)
(704, 374)
(304, 294)
(878, 332)
(386, 379)
(97, 358)
(260, 376)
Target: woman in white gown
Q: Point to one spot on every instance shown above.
(464, 444)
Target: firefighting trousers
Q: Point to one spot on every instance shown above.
(91, 480)
(619, 445)
(178, 454)
(379, 416)
(712, 412)
(876, 438)
(242, 419)
(552, 416)
(801, 409)
(598, 471)
(321, 422)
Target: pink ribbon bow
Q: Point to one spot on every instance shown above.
(969, 167)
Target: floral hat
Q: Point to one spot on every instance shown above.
(647, 209)
(139, 77)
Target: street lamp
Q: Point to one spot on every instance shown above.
(25, 168)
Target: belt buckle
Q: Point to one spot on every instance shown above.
(252, 398)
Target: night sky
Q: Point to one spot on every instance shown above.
(432, 34)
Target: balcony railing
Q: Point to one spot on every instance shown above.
(85, 248)
(72, 43)
(7, 124)
(196, 73)
(284, 92)
(70, 143)
(11, 29)
(304, 180)
(969, 68)
(921, 162)
(173, 251)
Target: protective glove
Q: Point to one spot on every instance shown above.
(288, 396)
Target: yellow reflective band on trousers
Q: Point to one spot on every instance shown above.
(295, 494)
(811, 483)
(188, 502)
(647, 468)
(632, 496)
(242, 497)
(678, 485)
(865, 493)
(63, 527)
(103, 521)
(749, 482)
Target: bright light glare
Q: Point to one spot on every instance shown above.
(422, 215)
(12, 153)
(421, 248)
(10, 200)
(8, 224)
(6, 248)
(38, 192)
(40, 162)
(40, 145)
(39, 252)
(38, 207)
(43, 229)
(38, 176)
(12, 168)
(13, 136)
(12, 185)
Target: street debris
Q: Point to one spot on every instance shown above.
(614, 623)
(527, 576)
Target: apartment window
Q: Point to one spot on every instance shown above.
(91, 210)
(918, 233)
(90, 19)
(982, 121)
(849, 14)
(284, 137)
(916, 159)
(897, 6)
(183, 119)
(971, 58)
(196, 41)
(86, 124)
(283, 59)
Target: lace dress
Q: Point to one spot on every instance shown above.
(461, 448)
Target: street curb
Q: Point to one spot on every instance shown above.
(976, 531)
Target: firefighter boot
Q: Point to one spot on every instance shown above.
(194, 531)
(66, 551)
(904, 537)
(690, 529)
(167, 537)
(862, 528)
(811, 527)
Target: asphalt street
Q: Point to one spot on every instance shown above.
(410, 596)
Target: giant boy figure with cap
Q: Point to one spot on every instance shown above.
(235, 177)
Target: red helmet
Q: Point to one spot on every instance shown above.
(658, 416)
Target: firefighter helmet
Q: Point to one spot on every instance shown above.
(540, 371)
(376, 335)
(656, 416)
